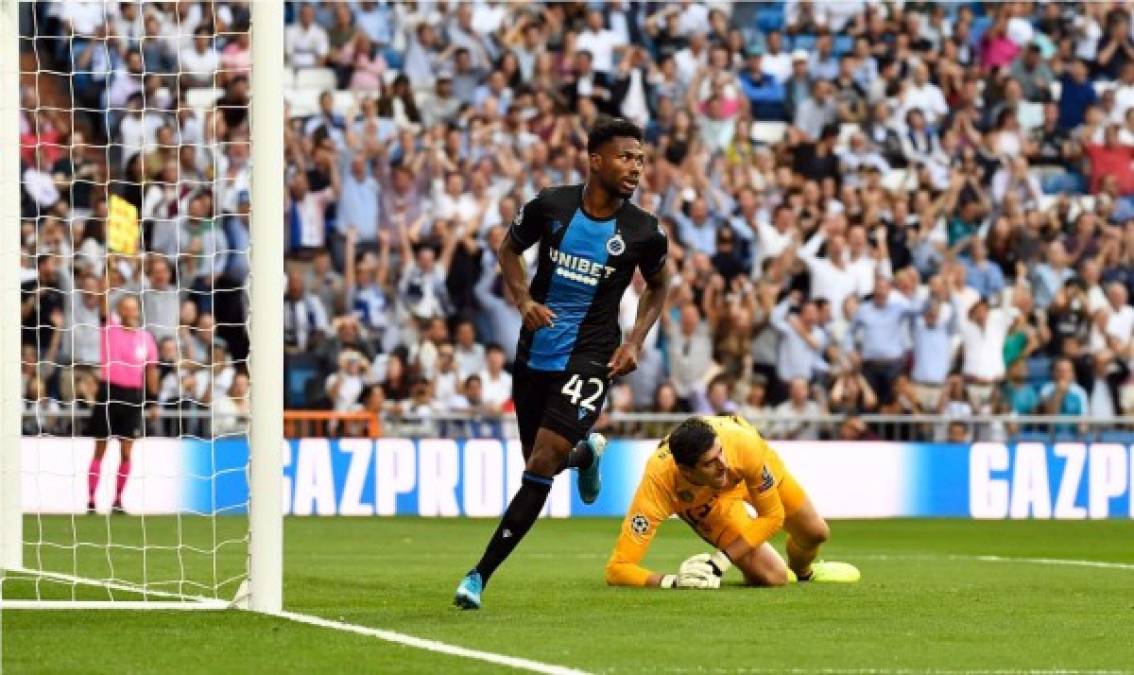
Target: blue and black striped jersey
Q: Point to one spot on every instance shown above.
(585, 264)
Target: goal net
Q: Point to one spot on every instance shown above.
(126, 466)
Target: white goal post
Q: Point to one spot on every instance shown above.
(260, 577)
(265, 550)
(11, 388)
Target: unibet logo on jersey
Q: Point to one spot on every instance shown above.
(578, 268)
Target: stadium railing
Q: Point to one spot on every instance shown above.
(322, 423)
(1035, 428)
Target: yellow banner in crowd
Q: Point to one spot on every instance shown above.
(122, 226)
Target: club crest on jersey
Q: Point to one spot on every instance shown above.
(616, 245)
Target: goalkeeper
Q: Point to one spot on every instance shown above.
(705, 471)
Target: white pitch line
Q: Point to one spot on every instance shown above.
(1059, 562)
(432, 645)
(1054, 561)
(894, 671)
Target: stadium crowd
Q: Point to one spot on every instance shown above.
(885, 207)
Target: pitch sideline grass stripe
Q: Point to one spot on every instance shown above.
(432, 645)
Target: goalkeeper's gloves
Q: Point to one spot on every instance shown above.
(703, 570)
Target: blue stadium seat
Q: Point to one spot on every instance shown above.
(1039, 367)
(299, 371)
(1054, 183)
(393, 58)
(843, 44)
(768, 20)
(803, 41)
(1032, 437)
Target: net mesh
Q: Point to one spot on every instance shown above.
(134, 237)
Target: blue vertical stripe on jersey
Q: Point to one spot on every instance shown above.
(570, 299)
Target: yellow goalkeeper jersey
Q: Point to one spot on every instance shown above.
(717, 514)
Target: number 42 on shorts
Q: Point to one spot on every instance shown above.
(573, 390)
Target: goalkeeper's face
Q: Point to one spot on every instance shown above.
(711, 468)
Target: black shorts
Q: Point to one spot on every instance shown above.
(117, 412)
(564, 402)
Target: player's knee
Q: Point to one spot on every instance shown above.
(814, 534)
(767, 576)
(820, 533)
(776, 577)
(544, 461)
(763, 567)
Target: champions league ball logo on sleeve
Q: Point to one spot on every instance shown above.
(616, 245)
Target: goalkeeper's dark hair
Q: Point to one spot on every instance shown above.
(609, 128)
(691, 439)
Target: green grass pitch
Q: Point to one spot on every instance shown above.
(926, 602)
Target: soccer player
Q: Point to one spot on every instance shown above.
(129, 364)
(591, 239)
(705, 471)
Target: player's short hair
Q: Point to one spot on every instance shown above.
(691, 439)
(607, 129)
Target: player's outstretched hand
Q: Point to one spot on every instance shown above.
(707, 563)
(693, 579)
(703, 570)
(536, 316)
(700, 580)
(625, 359)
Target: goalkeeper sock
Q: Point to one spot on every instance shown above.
(120, 484)
(517, 520)
(580, 457)
(94, 472)
(800, 558)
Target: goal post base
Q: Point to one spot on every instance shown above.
(243, 597)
